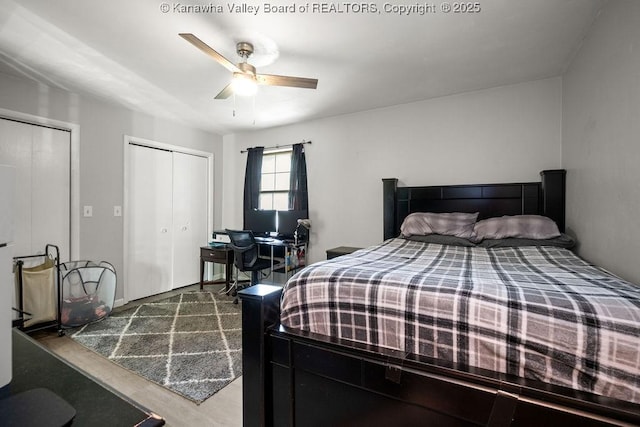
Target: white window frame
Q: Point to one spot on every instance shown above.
(272, 175)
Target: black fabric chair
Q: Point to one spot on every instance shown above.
(246, 255)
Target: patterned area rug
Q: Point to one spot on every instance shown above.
(189, 343)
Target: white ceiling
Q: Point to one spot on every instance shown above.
(130, 52)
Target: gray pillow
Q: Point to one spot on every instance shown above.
(442, 240)
(519, 226)
(563, 241)
(448, 224)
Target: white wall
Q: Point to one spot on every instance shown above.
(102, 127)
(505, 134)
(601, 140)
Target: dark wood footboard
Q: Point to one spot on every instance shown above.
(292, 378)
(260, 314)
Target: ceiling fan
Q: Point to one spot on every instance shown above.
(245, 79)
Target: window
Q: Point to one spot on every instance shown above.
(274, 182)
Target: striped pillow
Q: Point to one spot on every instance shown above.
(448, 224)
(520, 226)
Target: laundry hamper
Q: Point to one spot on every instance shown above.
(38, 293)
(88, 292)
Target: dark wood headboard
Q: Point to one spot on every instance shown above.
(546, 197)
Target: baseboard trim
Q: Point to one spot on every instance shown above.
(216, 276)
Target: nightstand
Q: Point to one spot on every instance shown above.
(339, 251)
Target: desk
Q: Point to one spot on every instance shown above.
(219, 254)
(277, 252)
(290, 256)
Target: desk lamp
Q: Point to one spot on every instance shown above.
(306, 223)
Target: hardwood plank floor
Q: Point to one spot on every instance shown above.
(222, 409)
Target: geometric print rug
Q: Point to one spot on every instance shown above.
(188, 343)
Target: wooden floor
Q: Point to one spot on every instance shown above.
(222, 409)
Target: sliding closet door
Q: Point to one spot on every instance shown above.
(189, 216)
(50, 191)
(167, 204)
(150, 221)
(42, 157)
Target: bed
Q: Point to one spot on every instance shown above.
(537, 341)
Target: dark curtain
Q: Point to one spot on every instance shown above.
(252, 177)
(298, 199)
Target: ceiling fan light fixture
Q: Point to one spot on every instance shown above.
(244, 84)
(245, 78)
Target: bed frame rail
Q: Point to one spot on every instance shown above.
(292, 378)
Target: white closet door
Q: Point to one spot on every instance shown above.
(42, 157)
(150, 227)
(15, 150)
(189, 216)
(50, 191)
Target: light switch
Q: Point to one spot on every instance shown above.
(88, 211)
(117, 211)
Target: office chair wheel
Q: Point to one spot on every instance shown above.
(234, 292)
(235, 301)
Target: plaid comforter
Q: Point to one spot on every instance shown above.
(534, 312)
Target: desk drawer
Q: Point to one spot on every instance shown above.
(219, 255)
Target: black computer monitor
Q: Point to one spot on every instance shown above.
(261, 222)
(287, 222)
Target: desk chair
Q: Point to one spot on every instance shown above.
(246, 250)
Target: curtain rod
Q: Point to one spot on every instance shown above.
(279, 146)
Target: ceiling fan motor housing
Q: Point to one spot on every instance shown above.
(244, 49)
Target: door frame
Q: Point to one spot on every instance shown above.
(74, 191)
(133, 140)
